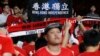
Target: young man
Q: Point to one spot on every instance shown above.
(91, 43)
(93, 12)
(54, 39)
(4, 15)
(6, 44)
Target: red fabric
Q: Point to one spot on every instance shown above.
(6, 45)
(14, 20)
(80, 38)
(0, 10)
(87, 27)
(25, 43)
(29, 48)
(75, 48)
(97, 53)
(21, 51)
(43, 52)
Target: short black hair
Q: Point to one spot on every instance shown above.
(91, 38)
(17, 6)
(96, 26)
(4, 5)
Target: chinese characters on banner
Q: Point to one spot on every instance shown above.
(48, 9)
(56, 9)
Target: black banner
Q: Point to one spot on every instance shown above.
(40, 9)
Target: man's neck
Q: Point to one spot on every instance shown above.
(92, 49)
(5, 13)
(53, 49)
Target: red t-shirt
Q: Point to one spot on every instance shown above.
(43, 52)
(21, 51)
(75, 49)
(12, 21)
(0, 10)
(97, 53)
(29, 48)
(6, 45)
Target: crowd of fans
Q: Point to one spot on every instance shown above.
(53, 42)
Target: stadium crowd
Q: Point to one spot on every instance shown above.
(57, 39)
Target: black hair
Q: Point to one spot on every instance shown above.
(96, 26)
(17, 6)
(4, 5)
(91, 38)
(82, 47)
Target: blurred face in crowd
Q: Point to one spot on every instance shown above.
(6, 9)
(54, 36)
(97, 29)
(93, 8)
(16, 10)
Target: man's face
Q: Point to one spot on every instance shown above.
(16, 10)
(6, 9)
(93, 8)
(54, 36)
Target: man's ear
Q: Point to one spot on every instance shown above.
(45, 36)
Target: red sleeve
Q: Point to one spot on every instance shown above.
(21, 20)
(9, 20)
(29, 48)
(8, 45)
(41, 52)
(75, 49)
(36, 54)
(0, 10)
(21, 51)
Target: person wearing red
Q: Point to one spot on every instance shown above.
(30, 48)
(6, 44)
(53, 48)
(91, 43)
(19, 51)
(0, 10)
(15, 19)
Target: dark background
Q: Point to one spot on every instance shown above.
(82, 7)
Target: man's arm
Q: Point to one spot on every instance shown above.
(67, 26)
(81, 26)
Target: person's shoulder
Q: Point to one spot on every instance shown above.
(1, 15)
(88, 14)
(67, 50)
(97, 53)
(41, 49)
(3, 35)
(82, 54)
(10, 15)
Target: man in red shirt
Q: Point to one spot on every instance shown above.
(16, 18)
(6, 45)
(30, 48)
(91, 43)
(54, 39)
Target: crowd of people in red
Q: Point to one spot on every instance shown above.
(56, 39)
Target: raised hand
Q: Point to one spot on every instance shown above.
(67, 25)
